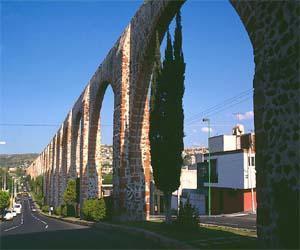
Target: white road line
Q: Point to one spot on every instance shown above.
(11, 228)
(37, 217)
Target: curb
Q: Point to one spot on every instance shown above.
(77, 222)
(227, 227)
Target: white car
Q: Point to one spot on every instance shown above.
(18, 208)
(33, 209)
(14, 213)
(8, 215)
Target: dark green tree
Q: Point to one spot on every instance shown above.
(166, 117)
(155, 118)
(69, 196)
(4, 200)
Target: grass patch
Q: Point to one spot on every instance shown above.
(204, 236)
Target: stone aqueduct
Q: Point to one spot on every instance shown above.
(74, 149)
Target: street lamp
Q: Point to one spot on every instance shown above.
(209, 190)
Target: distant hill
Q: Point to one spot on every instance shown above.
(16, 160)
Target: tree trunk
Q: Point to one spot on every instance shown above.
(167, 198)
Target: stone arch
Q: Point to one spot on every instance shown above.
(276, 89)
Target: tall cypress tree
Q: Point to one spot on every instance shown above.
(155, 117)
(166, 116)
(178, 114)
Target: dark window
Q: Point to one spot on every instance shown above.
(251, 161)
(202, 172)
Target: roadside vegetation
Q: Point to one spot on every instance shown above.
(4, 201)
(36, 187)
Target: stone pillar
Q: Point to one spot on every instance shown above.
(146, 159)
(98, 161)
(69, 146)
(75, 145)
(84, 174)
(61, 163)
(52, 179)
(78, 150)
(56, 169)
(94, 163)
(273, 27)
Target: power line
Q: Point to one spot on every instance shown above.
(221, 107)
(230, 102)
(221, 104)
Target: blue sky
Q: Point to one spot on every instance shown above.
(49, 51)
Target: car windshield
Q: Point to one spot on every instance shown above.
(17, 206)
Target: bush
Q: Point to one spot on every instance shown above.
(61, 210)
(94, 209)
(188, 216)
(4, 200)
(70, 210)
(45, 208)
(109, 207)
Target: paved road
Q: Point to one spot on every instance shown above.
(247, 221)
(32, 230)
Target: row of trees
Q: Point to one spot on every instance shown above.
(166, 115)
(4, 200)
(36, 186)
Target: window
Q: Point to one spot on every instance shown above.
(251, 161)
(202, 172)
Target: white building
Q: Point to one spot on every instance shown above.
(233, 175)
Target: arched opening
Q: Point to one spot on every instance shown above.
(100, 160)
(106, 151)
(219, 88)
(74, 165)
(144, 72)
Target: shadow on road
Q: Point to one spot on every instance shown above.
(76, 239)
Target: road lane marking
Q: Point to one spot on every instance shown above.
(6, 230)
(38, 219)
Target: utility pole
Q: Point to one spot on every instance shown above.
(209, 189)
(4, 180)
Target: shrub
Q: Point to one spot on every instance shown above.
(4, 200)
(109, 207)
(57, 210)
(188, 216)
(94, 209)
(45, 208)
(61, 210)
(70, 210)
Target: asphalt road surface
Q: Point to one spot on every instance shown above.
(31, 230)
(247, 221)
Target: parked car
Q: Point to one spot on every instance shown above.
(33, 209)
(14, 213)
(18, 208)
(8, 215)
